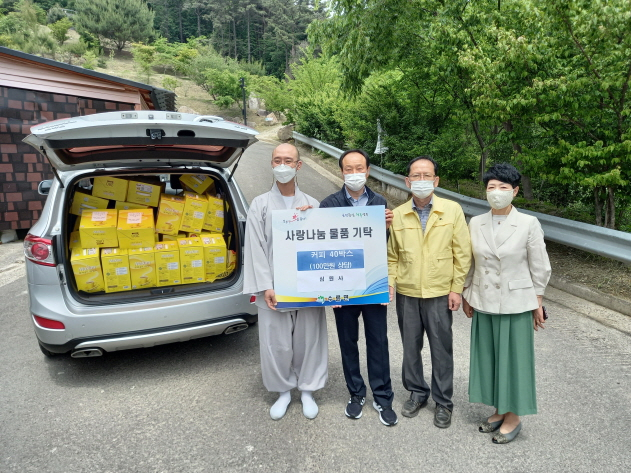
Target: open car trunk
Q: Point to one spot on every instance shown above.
(139, 170)
(86, 195)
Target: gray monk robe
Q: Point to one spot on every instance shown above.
(293, 342)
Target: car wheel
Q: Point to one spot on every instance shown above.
(47, 353)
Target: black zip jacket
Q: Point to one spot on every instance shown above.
(339, 199)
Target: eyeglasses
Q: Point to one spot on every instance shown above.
(419, 177)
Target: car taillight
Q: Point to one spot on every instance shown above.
(49, 323)
(39, 250)
(252, 299)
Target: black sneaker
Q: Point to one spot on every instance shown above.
(386, 415)
(354, 407)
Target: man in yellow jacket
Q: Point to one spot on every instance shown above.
(429, 254)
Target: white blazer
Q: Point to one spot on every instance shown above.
(507, 278)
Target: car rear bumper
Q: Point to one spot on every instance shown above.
(161, 336)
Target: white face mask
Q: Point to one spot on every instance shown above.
(422, 189)
(355, 181)
(499, 199)
(284, 173)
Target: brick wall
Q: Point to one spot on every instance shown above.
(21, 167)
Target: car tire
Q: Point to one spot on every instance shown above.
(47, 353)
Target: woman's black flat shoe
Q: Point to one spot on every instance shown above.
(506, 438)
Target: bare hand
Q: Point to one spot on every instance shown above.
(335, 306)
(537, 316)
(270, 299)
(391, 293)
(454, 301)
(304, 207)
(466, 308)
(389, 218)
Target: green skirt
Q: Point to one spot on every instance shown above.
(502, 369)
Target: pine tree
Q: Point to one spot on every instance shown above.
(117, 21)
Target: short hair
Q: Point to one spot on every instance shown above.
(502, 172)
(427, 158)
(360, 151)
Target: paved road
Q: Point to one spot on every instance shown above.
(200, 406)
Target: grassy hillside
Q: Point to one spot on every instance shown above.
(188, 94)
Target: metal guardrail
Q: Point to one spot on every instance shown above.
(612, 244)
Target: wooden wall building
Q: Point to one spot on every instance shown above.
(34, 90)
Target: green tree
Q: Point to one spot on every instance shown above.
(549, 65)
(55, 13)
(117, 21)
(422, 39)
(587, 102)
(275, 94)
(144, 58)
(59, 29)
(223, 86)
(22, 29)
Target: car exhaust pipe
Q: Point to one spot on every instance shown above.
(236, 328)
(87, 353)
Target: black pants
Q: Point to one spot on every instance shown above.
(376, 333)
(416, 318)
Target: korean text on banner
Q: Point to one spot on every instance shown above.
(333, 256)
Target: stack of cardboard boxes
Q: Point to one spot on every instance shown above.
(149, 238)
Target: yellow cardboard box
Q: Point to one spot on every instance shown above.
(142, 268)
(86, 266)
(192, 260)
(75, 240)
(213, 222)
(214, 255)
(115, 262)
(108, 187)
(195, 207)
(168, 263)
(81, 202)
(129, 206)
(174, 237)
(144, 193)
(135, 228)
(232, 263)
(197, 182)
(98, 228)
(170, 212)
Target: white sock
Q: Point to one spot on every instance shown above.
(309, 406)
(277, 411)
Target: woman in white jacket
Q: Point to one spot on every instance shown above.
(503, 293)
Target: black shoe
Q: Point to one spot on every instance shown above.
(354, 407)
(412, 407)
(386, 415)
(442, 417)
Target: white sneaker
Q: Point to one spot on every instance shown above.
(309, 406)
(278, 410)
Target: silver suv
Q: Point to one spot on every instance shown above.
(148, 146)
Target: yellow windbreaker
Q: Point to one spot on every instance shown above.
(431, 263)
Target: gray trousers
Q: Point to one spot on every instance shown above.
(294, 349)
(432, 316)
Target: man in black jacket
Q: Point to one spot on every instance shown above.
(355, 166)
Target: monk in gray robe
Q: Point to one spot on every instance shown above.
(293, 342)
